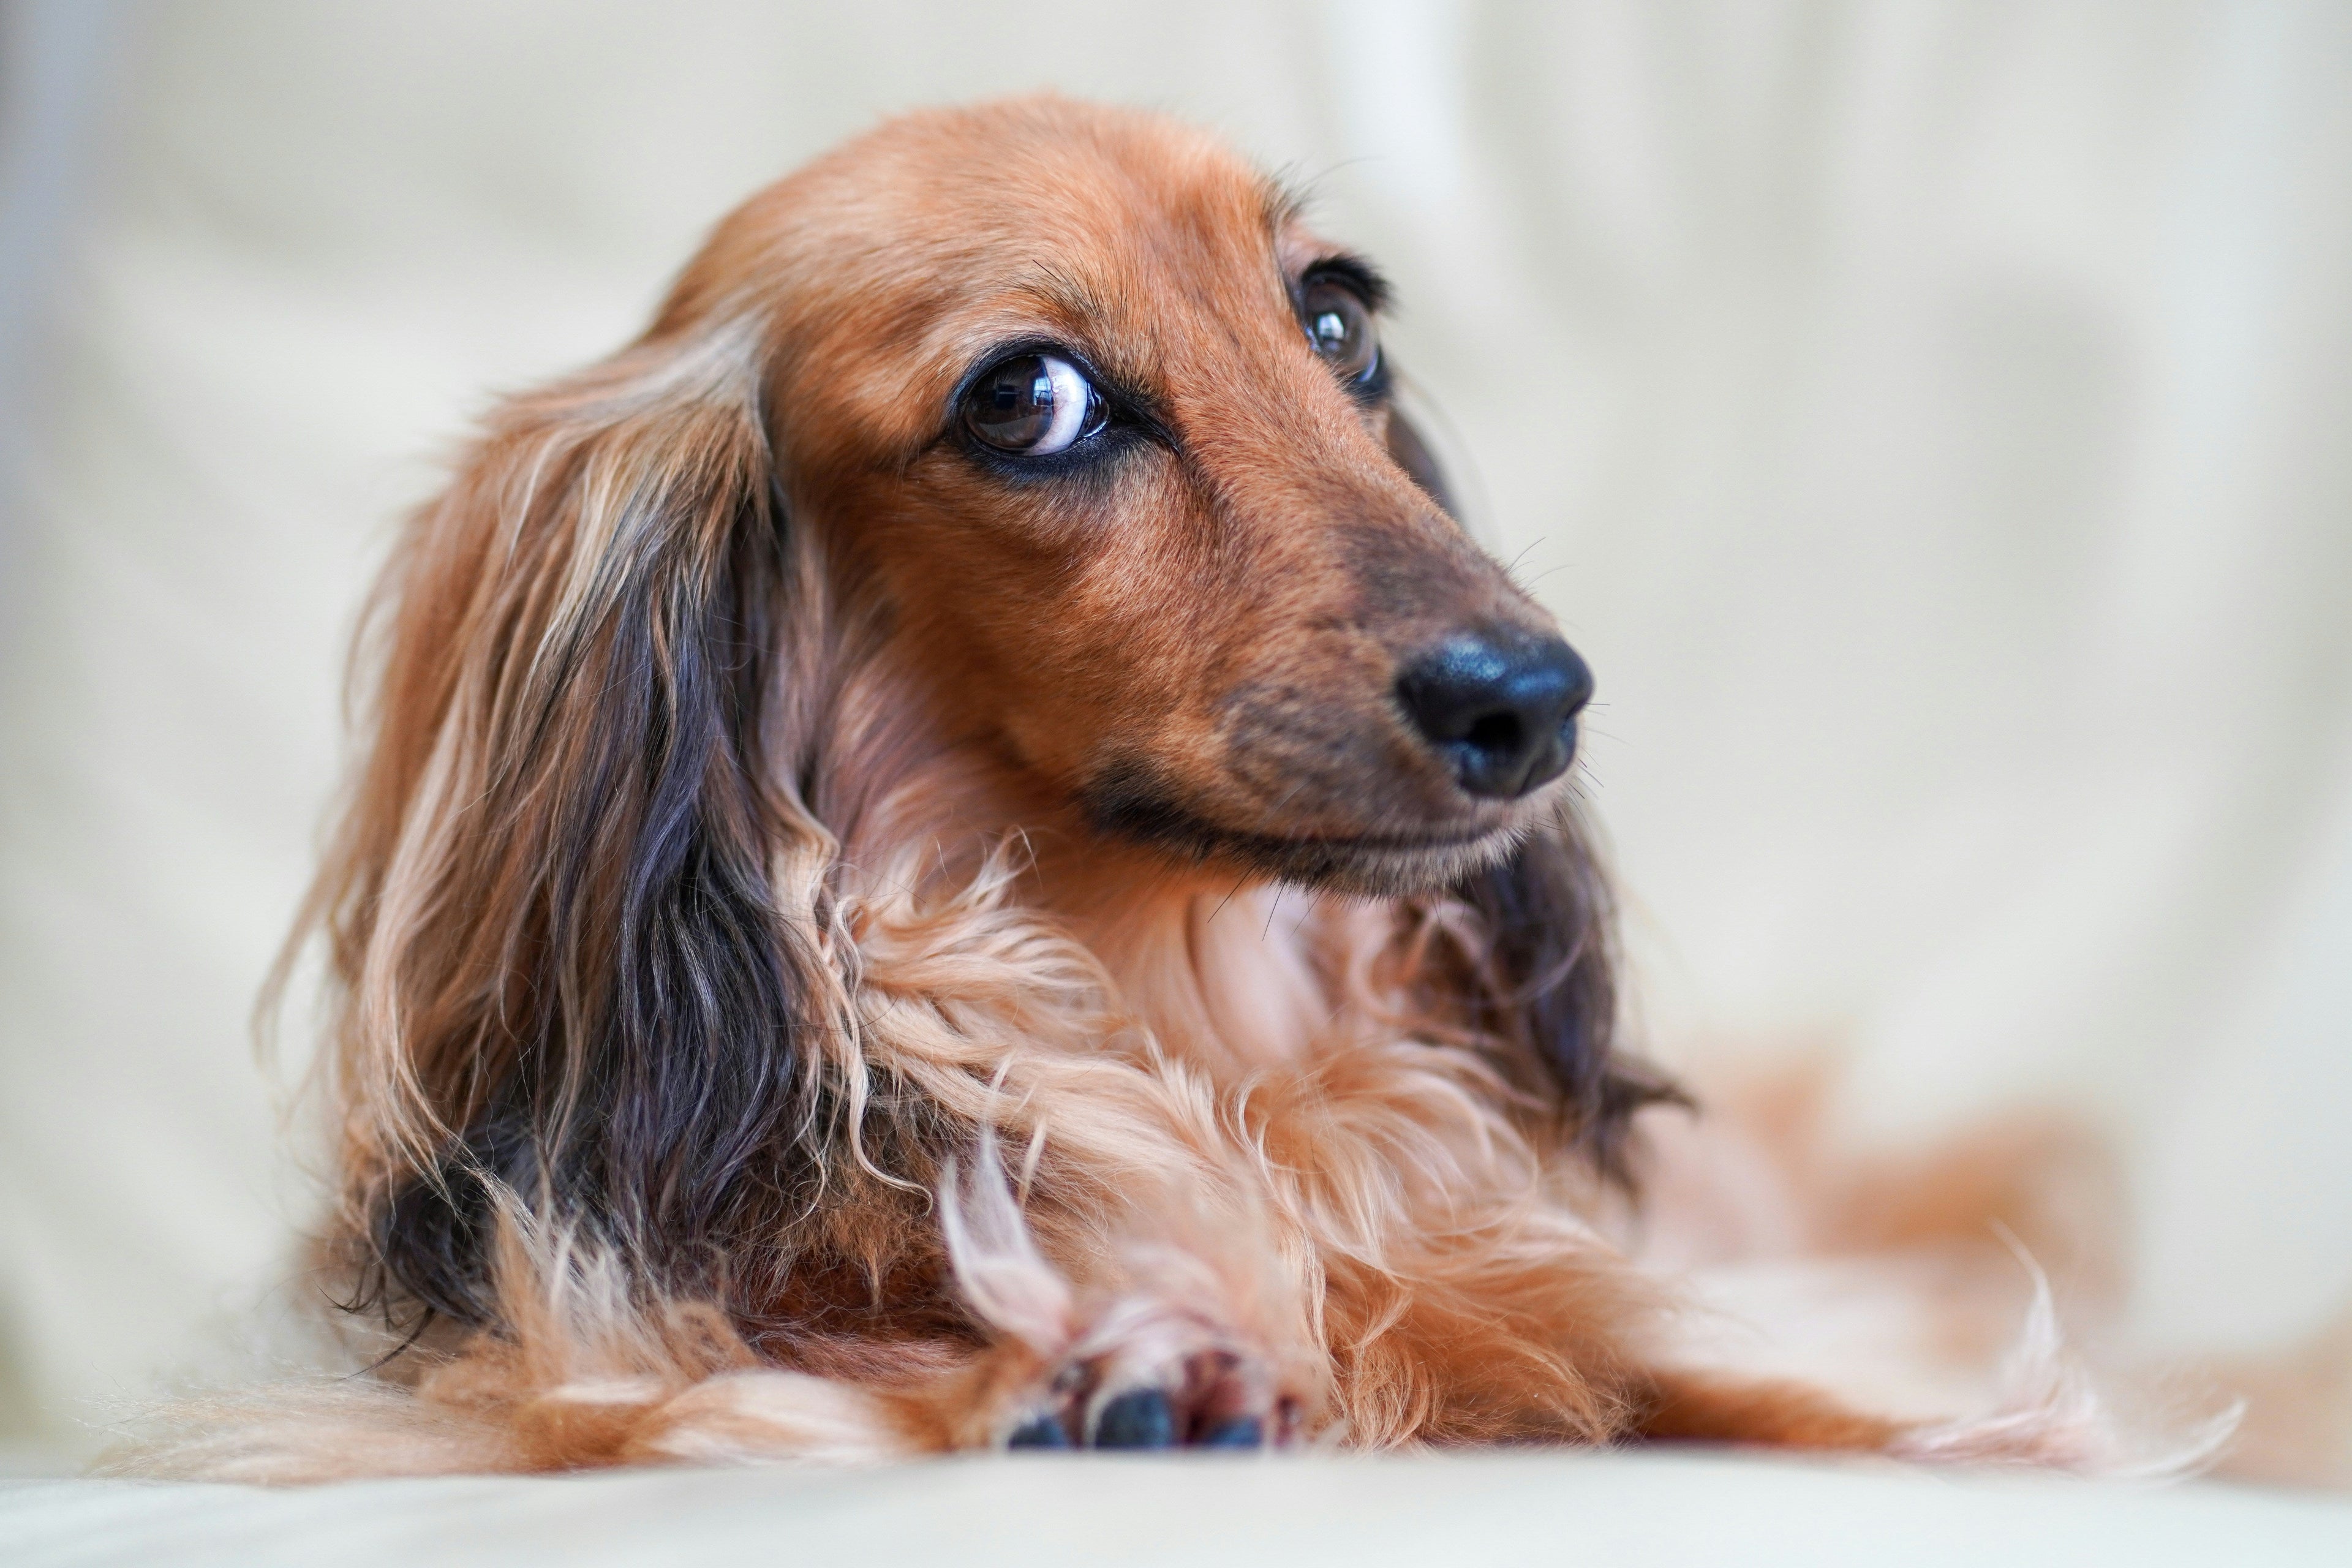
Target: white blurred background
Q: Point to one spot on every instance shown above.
(1934, 421)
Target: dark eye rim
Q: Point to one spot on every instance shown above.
(1122, 415)
(1371, 292)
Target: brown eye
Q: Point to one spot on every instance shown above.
(1035, 405)
(1340, 326)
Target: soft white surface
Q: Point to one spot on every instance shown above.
(1931, 419)
(1621, 1510)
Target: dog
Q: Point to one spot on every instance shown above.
(956, 851)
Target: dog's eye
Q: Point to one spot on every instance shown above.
(1036, 405)
(1341, 327)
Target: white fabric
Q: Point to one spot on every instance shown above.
(1617, 1510)
(1930, 419)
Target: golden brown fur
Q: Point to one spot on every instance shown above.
(846, 950)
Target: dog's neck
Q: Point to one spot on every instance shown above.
(1231, 974)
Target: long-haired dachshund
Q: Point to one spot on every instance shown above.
(958, 852)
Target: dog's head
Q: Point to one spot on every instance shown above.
(1060, 420)
(1113, 431)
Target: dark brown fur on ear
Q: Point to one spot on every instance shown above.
(1549, 972)
(573, 979)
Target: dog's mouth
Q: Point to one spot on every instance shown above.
(1127, 802)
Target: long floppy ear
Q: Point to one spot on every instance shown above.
(1547, 972)
(568, 971)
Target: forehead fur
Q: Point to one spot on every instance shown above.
(937, 232)
(1030, 178)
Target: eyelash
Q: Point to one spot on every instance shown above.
(1353, 275)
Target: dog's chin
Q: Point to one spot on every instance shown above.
(1374, 863)
(1396, 870)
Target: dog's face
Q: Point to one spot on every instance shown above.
(1087, 469)
(1111, 429)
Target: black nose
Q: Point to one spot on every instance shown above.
(1501, 707)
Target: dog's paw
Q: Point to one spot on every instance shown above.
(1148, 1378)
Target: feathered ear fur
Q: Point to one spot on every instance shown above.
(1545, 973)
(570, 969)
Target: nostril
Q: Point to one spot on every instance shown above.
(1499, 707)
(1495, 732)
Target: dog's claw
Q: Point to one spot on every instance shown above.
(1140, 1418)
(1039, 1432)
(1241, 1432)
